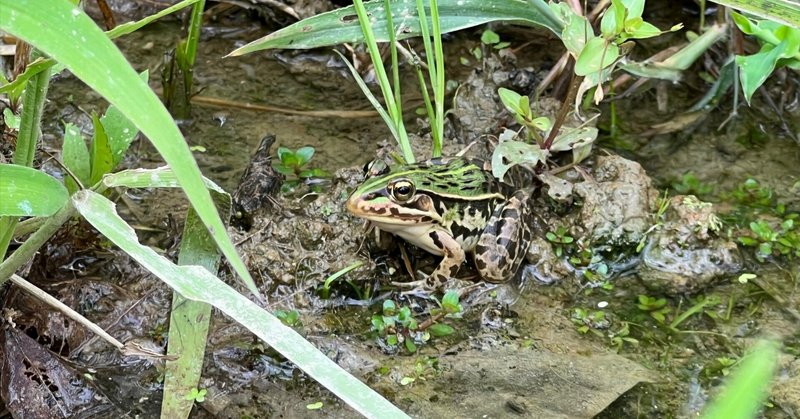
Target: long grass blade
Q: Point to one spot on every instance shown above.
(68, 35)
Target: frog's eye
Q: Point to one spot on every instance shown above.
(402, 190)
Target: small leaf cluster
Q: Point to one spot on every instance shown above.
(560, 239)
(596, 56)
(534, 147)
(780, 47)
(397, 327)
(295, 166)
(688, 184)
(656, 307)
(590, 320)
(113, 134)
(783, 240)
(290, 318)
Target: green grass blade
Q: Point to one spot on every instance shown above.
(68, 35)
(189, 322)
(27, 192)
(75, 157)
(786, 12)
(372, 99)
(747, 386)
(196, 283)
(439, 84)
(340, 26)
(129, 27)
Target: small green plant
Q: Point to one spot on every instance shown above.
(690, 185)
(325, 290)
(196, 395)
(290, 318)
(622, 336)
(656, 307)
(590, 321)
(699, 307)
(719, 366)
(491, 38)
(295, 166)
(752, 195)
(781, 241)
(560, 239)
(780, 47)
(398, 328)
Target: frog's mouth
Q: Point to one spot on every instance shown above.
(383, 211)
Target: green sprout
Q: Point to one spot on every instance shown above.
(561, 239)
(656, 307)
(294, 165)
(196, 395)
(290, 318)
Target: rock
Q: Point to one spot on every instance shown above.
(685, 254)
(618, 204)
(544, 266)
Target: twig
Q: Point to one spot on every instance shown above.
(564, 111)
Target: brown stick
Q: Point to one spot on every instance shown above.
(564, 110)
(108, 15)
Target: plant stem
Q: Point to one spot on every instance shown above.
(564, 110)
(27, 139)
(29, 248)
(439, 85)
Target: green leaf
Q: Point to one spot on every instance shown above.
(490, 37)
(613, 18)
(574, 138)
(27, 192)
(634, 8)
(542, 123)
(511, 100)
(576, 31)
(341, 25)
(410, 345)
(389, 308)
(15, 88)
(64, 31)
(440, 330)
(644, 30)
(75, 157)
(120, 130)
(197, 284)
(11, 120)
(101, 159)
(781, 11)
(161, 177)
(595, 56)
(514, 152)
(754, 69)
(304, 154)
(747, 386)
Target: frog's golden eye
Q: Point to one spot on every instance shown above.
(402, 190)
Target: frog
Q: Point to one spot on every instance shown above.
(450, 207)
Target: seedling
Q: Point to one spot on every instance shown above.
(196, 395)
(656, 307)
(590, 321)
(295, 166)
(397, 327)
(690, 185)
(561, 239)
(491, 38)
(290, 318)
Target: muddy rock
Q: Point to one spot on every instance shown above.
(685, 254)
(544, 266)
(618, 203)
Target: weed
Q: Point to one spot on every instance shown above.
(295, 166)
(397, 327)
(688, 184)
(656, 307)
(290, 318)
(196, 395)
(561, 240)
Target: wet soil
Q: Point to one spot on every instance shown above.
(532, 348)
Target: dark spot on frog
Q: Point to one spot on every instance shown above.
(436, 242)
(480, 264)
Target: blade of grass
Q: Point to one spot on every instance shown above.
(395, 63)
(395, 111)
(65, 33)
(196, 283)
(372, 99)
(339, 26)
(786, 12)
(188, 325)
(429, 56)
(439, 85)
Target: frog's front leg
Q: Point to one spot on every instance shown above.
(453, 257)
(505, 240)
